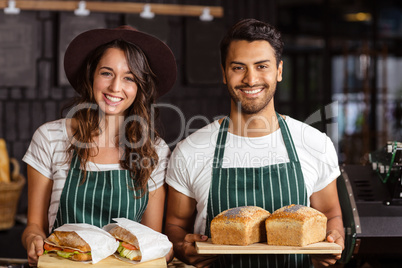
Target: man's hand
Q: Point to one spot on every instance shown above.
(179, 227)
(325, 260)
(327, 202)
(187, 252)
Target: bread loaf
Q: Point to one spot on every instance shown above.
(239, 226)
(296, 225)
(4, 163)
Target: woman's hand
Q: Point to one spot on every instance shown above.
(39, 191)
(34, 244)
(169, 257)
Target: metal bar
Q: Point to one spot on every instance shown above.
(116, 7)
(352, 203)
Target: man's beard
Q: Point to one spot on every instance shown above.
(253, 107)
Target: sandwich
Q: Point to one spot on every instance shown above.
(68, 245)
(128, 243)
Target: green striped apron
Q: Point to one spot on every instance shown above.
(270, 187)
(103, 196)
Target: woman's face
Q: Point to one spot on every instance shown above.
(114, 86)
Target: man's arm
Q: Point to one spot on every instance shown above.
(327, 202)
(180, 216)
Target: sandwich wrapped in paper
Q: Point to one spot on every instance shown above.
(137, 242)
(81, 242)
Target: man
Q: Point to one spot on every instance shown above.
(254, 157)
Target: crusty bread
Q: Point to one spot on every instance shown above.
(81, 257)
(296, 225)
(62, 240)
(239, 226)
(4, 162)
(124, 235)
(69, 239)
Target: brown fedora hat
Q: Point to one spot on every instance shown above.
(159, 55)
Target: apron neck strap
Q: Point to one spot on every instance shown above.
(222, 135)
(220, 143)
(75, 161)
(287, 139)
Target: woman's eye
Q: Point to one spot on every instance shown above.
(131, 79)
(106, 73)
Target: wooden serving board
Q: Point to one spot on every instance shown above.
(52, 260)
(264, 248)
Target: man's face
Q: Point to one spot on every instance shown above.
(251, 74)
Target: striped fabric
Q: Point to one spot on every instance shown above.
(104, 195)
(270, 187)
(47, 153)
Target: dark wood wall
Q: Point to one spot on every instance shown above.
(33, 88)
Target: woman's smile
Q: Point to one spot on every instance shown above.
(111, 100)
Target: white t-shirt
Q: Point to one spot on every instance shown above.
(47, 154)
(190, 165)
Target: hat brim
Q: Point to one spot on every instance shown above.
(159, 55)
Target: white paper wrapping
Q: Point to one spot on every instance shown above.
(101, 242)
(153, 245)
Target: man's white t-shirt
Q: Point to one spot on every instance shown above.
(190, 165)
(47, 154)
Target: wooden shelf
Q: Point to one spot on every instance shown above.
(116, 7)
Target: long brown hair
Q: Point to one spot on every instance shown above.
(139, 134)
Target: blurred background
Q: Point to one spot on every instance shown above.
(342, 75)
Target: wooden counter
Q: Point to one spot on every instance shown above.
(52, 260)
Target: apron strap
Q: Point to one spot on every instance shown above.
(75, 161)
(287, 138)
(220, 143)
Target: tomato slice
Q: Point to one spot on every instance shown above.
(69, 250)
(50, 247)
(128, 246)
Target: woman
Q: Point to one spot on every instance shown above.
(105, 159)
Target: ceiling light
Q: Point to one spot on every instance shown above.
(359, 16)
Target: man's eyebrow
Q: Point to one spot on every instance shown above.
(237, 62)
(262, 61)
(241, 63)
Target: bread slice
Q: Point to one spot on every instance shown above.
(239, 226)
(296, 225)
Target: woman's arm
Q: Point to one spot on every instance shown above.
(153, 215)
(39, 192)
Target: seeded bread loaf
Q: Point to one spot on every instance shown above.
(239, 226)
(296, 225)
